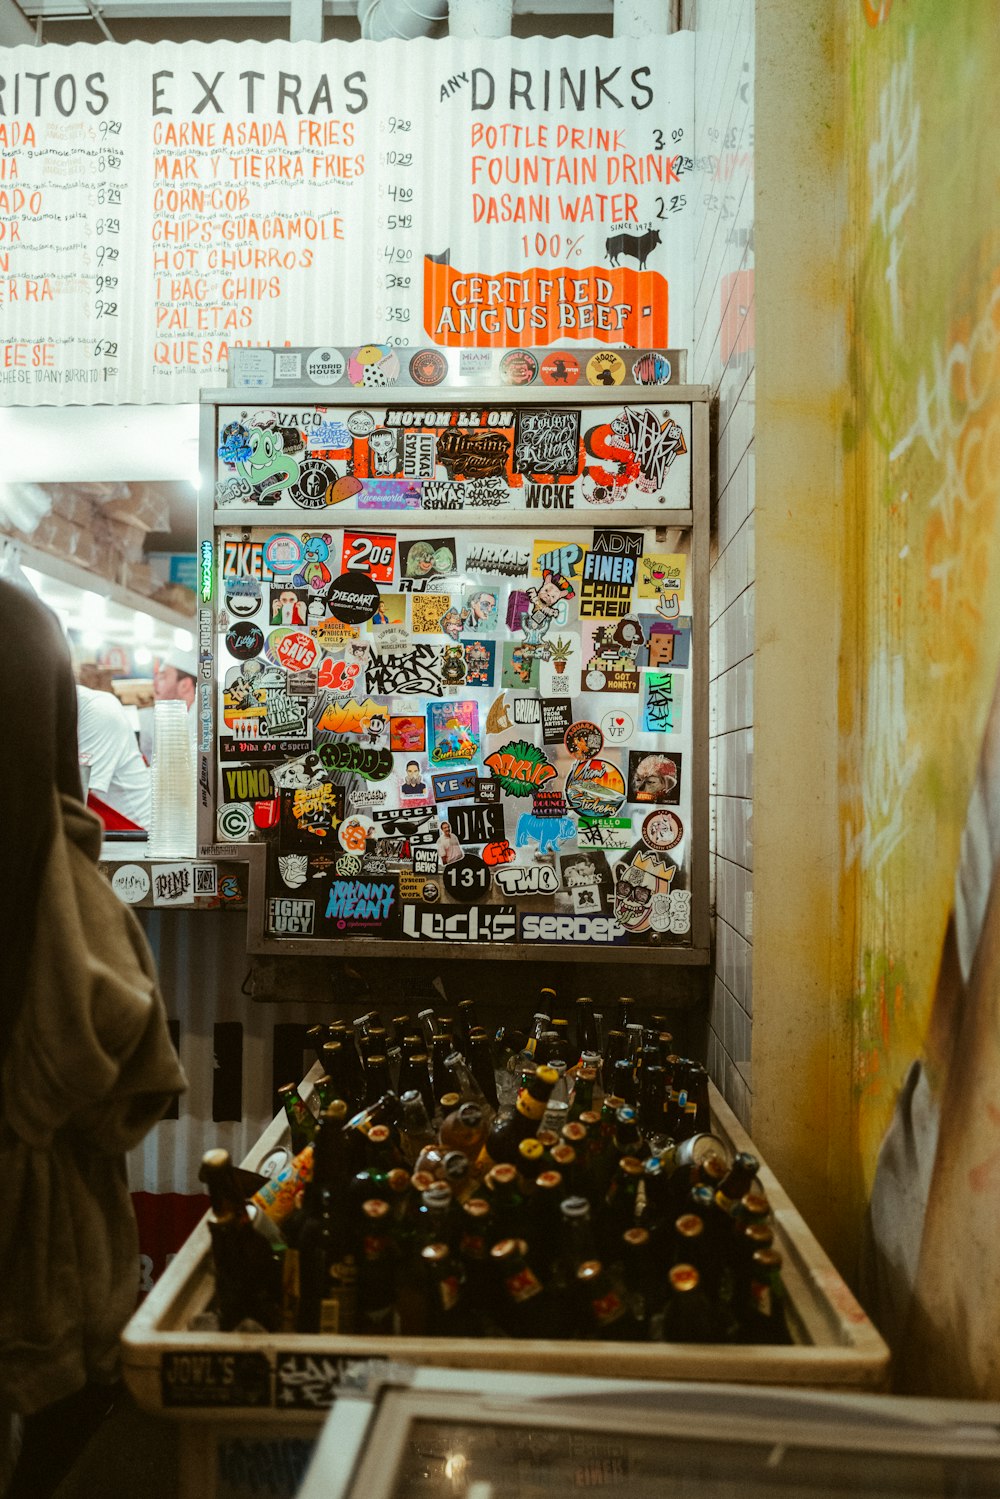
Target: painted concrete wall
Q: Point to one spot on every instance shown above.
(876, 960)
(724, 358)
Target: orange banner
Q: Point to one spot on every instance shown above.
(598, 304)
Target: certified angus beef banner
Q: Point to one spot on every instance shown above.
(160, 205)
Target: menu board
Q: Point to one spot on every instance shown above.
(161, 205)
(444, 732)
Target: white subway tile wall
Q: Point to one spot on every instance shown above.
(723, 359)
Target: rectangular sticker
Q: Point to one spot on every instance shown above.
(173, 884)
(371, 552)
(453, 731)
(663, 707)
(605, 832)
(654, 777)
(454, 785)
(287, 917)
(482, 822)
(215, 1379)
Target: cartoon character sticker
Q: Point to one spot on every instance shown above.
(480, 613)
(453, 732)
(425, 559)
(611, 665)
(549, 605)
(314, 574)
(642, 880)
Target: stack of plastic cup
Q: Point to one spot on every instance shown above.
(172, 834)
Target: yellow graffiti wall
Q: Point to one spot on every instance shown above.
(922, 438)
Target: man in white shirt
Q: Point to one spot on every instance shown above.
(118, 773)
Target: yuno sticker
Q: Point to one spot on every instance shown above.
(353, 598)
(521, 768)
(246, 783)
(452, 731)
(244, 640)
(369, 552)
(291, 918)
(595, 788)
(654, 778)
(662, 711)
(130, 882)
(652, 369)
(282, 552)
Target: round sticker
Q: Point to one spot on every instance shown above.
(360, 423)
(430, 892)
(354, 833)
(595, 788)
(662, 830)
(560, 368)
(468, 879)
(349, 865)
(428, 367)
(282, 552)
(325, 366)
(353, 598)
(244, 640)
(314, 487)
(130, 882)
(243, 596)
(651, 369)
(617, 726)
(583, 739)
(294, 650)
(235, 822)
(605, 368)
(518, 367)
(373, 365)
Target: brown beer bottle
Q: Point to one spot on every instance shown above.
(247, 1273)
(506, 1133)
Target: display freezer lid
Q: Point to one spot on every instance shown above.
(510, 1441)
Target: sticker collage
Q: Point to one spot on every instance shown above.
(448, 733)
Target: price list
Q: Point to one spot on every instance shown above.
(65, 191)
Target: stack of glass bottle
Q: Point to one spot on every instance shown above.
(560, 1184)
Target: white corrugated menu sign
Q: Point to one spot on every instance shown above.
(162, 204)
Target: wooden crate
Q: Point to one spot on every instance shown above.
(295, 1376)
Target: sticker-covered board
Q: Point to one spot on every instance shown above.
(444, 734)
(331, 461)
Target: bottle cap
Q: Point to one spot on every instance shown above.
(684, 1277)
(379, 1134)
(547, 1075)
(471, 1115)
(213, 1160)
(438, 1195)
(589, 1270)
(375, 1207)
(501, 1175)
(476, 1207)
(589, 1118)
(549, 1180)
(689, 1225)
(531, 1150)
(563, 1155)
(398, 1179)
(449, 1101)
(573, 1132)
(575, 1208)
(636, 1236)
(421, 1180)
(434, 1253)
(504, 1249)
(455, 1165)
